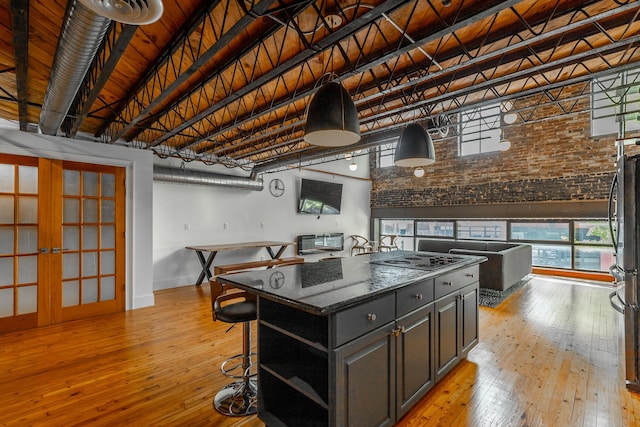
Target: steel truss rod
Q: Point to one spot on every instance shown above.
(387, 135)
(20, 24)
(190, 100)
(526, 73)
(270, 108)
(147, 101)
(114, 44)
(346, 31)
(504, 51)
(365, 67)
(479, 90)
(463, 64)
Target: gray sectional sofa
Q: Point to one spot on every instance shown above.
(506, 265)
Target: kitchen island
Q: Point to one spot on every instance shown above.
(359, 340)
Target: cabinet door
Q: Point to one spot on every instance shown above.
(447, 334)
(414, 358)
(469, 300)
(365, 380)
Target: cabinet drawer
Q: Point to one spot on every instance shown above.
(357, 321)
(414, 296)
(455, 280)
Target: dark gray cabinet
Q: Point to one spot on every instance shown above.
(383, 374)
(415, 368)
(456, 327)
(365, 380)
(366, 365)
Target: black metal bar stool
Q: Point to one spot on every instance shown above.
(239, 398)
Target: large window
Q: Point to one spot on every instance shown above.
(567, 244)
(482, 230)
(537, 231)
(385, 154)
(402, 228)
(435, 228)
(480, 130)
(615, 99)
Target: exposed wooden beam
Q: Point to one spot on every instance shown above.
(20, 23)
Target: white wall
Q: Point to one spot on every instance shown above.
(139, 164)
(250, 216)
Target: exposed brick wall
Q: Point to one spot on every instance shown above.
(553, 159)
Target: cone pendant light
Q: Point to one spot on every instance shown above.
(332, 119)
(414, 148)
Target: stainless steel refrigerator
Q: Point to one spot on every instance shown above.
(625, 227)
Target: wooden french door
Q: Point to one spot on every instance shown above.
(62, 246)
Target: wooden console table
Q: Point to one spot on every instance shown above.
(214, 249)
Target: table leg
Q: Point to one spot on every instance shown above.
(276, 255)
(206, 265)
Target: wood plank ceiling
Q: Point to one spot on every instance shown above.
(228, 81)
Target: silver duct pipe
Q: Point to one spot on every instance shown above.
(81, 35)
(85, 25)
(196, 177)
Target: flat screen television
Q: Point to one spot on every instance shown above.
(320, 197)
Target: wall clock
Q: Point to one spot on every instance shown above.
(276, 280)
(276, 187)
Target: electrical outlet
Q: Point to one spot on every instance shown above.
(187, 227)
(225, 225)
(262, 225)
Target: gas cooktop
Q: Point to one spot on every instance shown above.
(427, 262)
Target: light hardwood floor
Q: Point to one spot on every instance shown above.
(550, 355)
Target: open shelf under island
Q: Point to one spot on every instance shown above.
(359, 340)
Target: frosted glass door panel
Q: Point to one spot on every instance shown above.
(107, 236)
(7, 173)
(89, 264)
(6, 209)
(6, 302)
(27, 240)
(28, 179)
(27, 299)
(90, 210)
(71, 238)
(71, 183)
(71, 210)
(89, 184)
(108, 262)
(70, 293)
(107, 288)
(6, 271)
(89, 291)
(6, 241)
(70, 266)
(89, 237)
(27, 210)
(108, 211)
(27, 269)
(108, 185)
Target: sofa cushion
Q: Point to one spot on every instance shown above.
(497, 247)
(444, 246)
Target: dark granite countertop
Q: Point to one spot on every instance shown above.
(325, 287)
